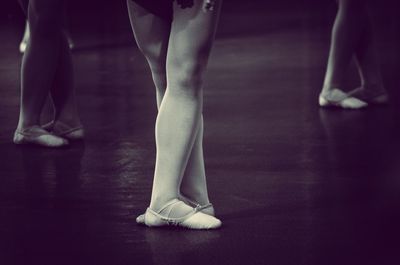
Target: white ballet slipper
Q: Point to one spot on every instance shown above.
(339, 99)
(371, 95)
(206, 208)
(63, 130)
(38, 136)
(192, 220)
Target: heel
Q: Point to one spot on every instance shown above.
(152, 219)
(323, 102)
(18, 138)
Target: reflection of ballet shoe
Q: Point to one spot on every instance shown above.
(191, 220)
(39, 136)
(371, 95)
(63, 130)
(339, 99)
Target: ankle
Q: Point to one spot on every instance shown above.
(372, 86)
(326, 88)
(26, 124)
(157, 202)
(69, 120)
(197, 197)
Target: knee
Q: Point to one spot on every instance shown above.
(156, 61)
(186, 76)
(155, 55)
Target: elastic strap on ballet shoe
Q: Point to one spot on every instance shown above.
(61, 128)
(172, 221)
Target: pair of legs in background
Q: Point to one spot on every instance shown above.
(177, 53)
(47, 70)
(352, 37)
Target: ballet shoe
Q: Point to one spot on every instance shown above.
(63, 130)
(339, 99)
(206, 208)
(140, 219)
(372, 95)
(38, 136)
(192, 220)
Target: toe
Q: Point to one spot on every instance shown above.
(202, 221)
(140, 219)
(353, 103)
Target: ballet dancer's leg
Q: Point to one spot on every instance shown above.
(22, 46)
(346, 34)
(194, 184)
(372, 89)
(66, 118)
(38, 68)
(152, 35)
(179, 117)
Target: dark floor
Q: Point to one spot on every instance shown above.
(293, 184)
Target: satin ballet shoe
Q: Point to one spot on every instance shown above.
(206, 208)
(370, 95)
(192, 220)
(38, 136)
(339, 99)
(63, 130)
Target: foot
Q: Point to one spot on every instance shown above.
(38, 136)
(63, 130)
(177, 213)
(207, 208)
(339, 99)
(376, 95)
